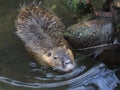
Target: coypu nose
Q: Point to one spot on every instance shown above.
(66, 62)
(68, 65)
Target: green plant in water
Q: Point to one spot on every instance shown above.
(79, 8)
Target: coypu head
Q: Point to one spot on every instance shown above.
(59, 58)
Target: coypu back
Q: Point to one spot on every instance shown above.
(39, 24)
(41, 31)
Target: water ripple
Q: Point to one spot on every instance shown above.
(104, 78)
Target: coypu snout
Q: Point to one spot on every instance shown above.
(66, 63)
(60, 59)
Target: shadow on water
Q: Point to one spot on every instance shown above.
(18, 71)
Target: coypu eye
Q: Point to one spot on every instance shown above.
(55, 57)
(49, 54)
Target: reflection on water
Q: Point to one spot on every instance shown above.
(98, 76)
(18, 71)
(103, 78)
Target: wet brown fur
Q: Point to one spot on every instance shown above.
(41, 31)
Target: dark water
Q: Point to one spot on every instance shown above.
(19, 71)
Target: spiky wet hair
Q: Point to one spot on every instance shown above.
(39, 26)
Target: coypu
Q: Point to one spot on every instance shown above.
(41, 31)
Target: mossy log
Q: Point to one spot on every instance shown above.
(90, 33)
(79, 7)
